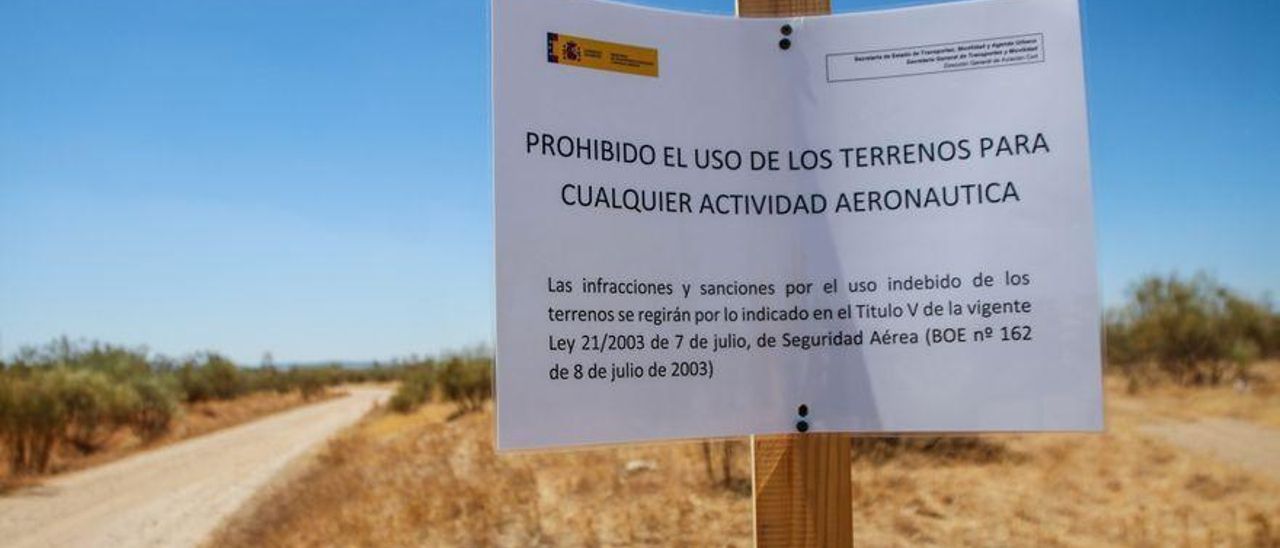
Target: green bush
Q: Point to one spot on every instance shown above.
(79, 394)
(193, 383)
(117, 363)
(265, 379)
(311, 384)
(156, 407)
(32, 418)
(415, 389)
(224, 377)
(95, 406)
(1195, 331)
(210, 376)
(467, 381)
(401, 402)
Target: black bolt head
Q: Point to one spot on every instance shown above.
(802, 426)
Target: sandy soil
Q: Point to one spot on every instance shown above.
(176, 495)
(1234, 441)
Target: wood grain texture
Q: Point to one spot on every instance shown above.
(803, 491)
(782, 8)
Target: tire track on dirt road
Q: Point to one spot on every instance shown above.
(178, 494)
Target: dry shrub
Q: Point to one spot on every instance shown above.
(414, 390)
(468, 381)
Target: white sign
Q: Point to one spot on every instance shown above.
(704, 223)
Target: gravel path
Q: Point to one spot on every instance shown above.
(175, 495)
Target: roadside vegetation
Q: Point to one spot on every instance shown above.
(464, 378)
(423, 471)
(73, 399)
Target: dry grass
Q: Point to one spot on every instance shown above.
(424, 480)
(1117, 489)
(1257, 401)
(194, 420)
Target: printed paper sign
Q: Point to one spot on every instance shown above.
(888, 222)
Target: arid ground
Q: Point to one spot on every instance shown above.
(1177, 466)
(177, 494)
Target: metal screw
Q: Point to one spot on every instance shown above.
(804, 410)
(802, 426)
(786, 30)
(785, 43)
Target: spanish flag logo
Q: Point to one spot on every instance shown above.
(564, 49)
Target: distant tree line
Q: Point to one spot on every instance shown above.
(1194, 330)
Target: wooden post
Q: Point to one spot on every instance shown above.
(783, 8)
(801, 484)
(802, 490)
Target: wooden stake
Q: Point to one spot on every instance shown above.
(802, 490)
(801, 483)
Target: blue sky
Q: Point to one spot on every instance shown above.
(312, 178)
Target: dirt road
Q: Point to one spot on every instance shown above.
(1238, 442)
(175, 495)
